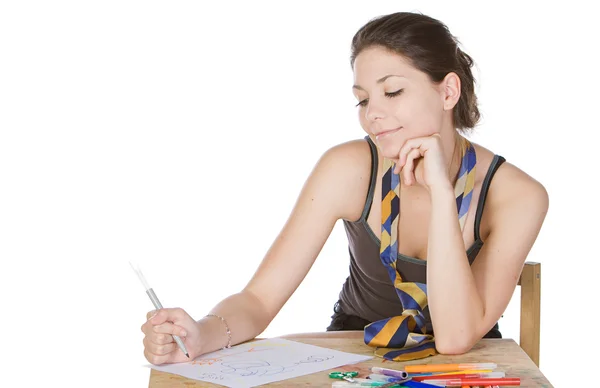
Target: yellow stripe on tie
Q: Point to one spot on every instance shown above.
(386, 206)
(387, 332)
(460, 184)
(470, 182)
(385, 237)
(415, 292)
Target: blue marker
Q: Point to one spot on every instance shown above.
(418, 384)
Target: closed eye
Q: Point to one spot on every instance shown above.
(394, 94)
(388, 95)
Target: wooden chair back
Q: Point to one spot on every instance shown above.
(530, 282)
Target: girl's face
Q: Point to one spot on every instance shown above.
(397, 102)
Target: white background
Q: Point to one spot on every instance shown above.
(179, 134)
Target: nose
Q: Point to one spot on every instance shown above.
(374, 111)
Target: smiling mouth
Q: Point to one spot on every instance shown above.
(386, 133)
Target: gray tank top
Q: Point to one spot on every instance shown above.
(368, 292)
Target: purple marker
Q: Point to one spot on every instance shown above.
(389, 372)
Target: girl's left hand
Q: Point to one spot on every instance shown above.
(421, 160)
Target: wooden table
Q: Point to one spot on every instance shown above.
(504, 352)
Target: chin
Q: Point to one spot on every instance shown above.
(388, 149)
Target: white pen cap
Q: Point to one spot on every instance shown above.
(140, 275)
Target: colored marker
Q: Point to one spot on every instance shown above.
(370, 382)
(418, 384)
(478, 381)
(466, 371)
(494, 375)
(390, 372)
(447, 367)
(383, 378)
(380, 384)
(460, 372)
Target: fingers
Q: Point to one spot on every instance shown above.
(406, 151)
(159, 349)
(410, 154)
(409, 168)
(176, 315)
(159, 329)
(155, 359)
(421, 143)
(162, 333)
(159, 338)
(408, 146)
(169, 328)
(163, 350)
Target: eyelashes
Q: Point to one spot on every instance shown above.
(388, 95)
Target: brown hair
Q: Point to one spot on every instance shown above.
(431, 48)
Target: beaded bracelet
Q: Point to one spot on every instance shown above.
(226, 327)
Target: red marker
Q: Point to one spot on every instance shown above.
(477, 381)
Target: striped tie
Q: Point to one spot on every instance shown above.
(405, 337)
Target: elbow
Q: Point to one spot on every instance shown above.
(454, 346)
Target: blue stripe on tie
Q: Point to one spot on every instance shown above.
(386, 183)
(471, 158)
(387, 225)
(407, 301)
(399, 338)
(395, 353)
(420, 320)
(395, 205)
(387, 256)
(395, 179)
(465, 204)
(394, 252)
(459, 200)
(423, 287)
(391, 272)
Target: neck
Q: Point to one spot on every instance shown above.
(453, 145)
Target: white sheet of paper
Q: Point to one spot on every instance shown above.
(261, 362)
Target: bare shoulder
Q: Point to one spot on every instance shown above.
(516, 196)
(346, 169)
(353, 153)
(515, 185)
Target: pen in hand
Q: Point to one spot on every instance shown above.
(157, 304)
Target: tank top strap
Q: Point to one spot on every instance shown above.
(496, 162)
(371, 191)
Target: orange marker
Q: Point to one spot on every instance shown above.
(447, 367)
(468, 371)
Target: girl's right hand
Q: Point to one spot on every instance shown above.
(159, 345)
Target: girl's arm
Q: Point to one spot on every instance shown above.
(336, 189)
(466, 301)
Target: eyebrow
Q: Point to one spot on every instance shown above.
(380, 80)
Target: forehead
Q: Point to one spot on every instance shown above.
(376, 62)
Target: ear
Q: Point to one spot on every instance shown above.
(450, 90)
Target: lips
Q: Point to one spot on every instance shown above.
(387, 132)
